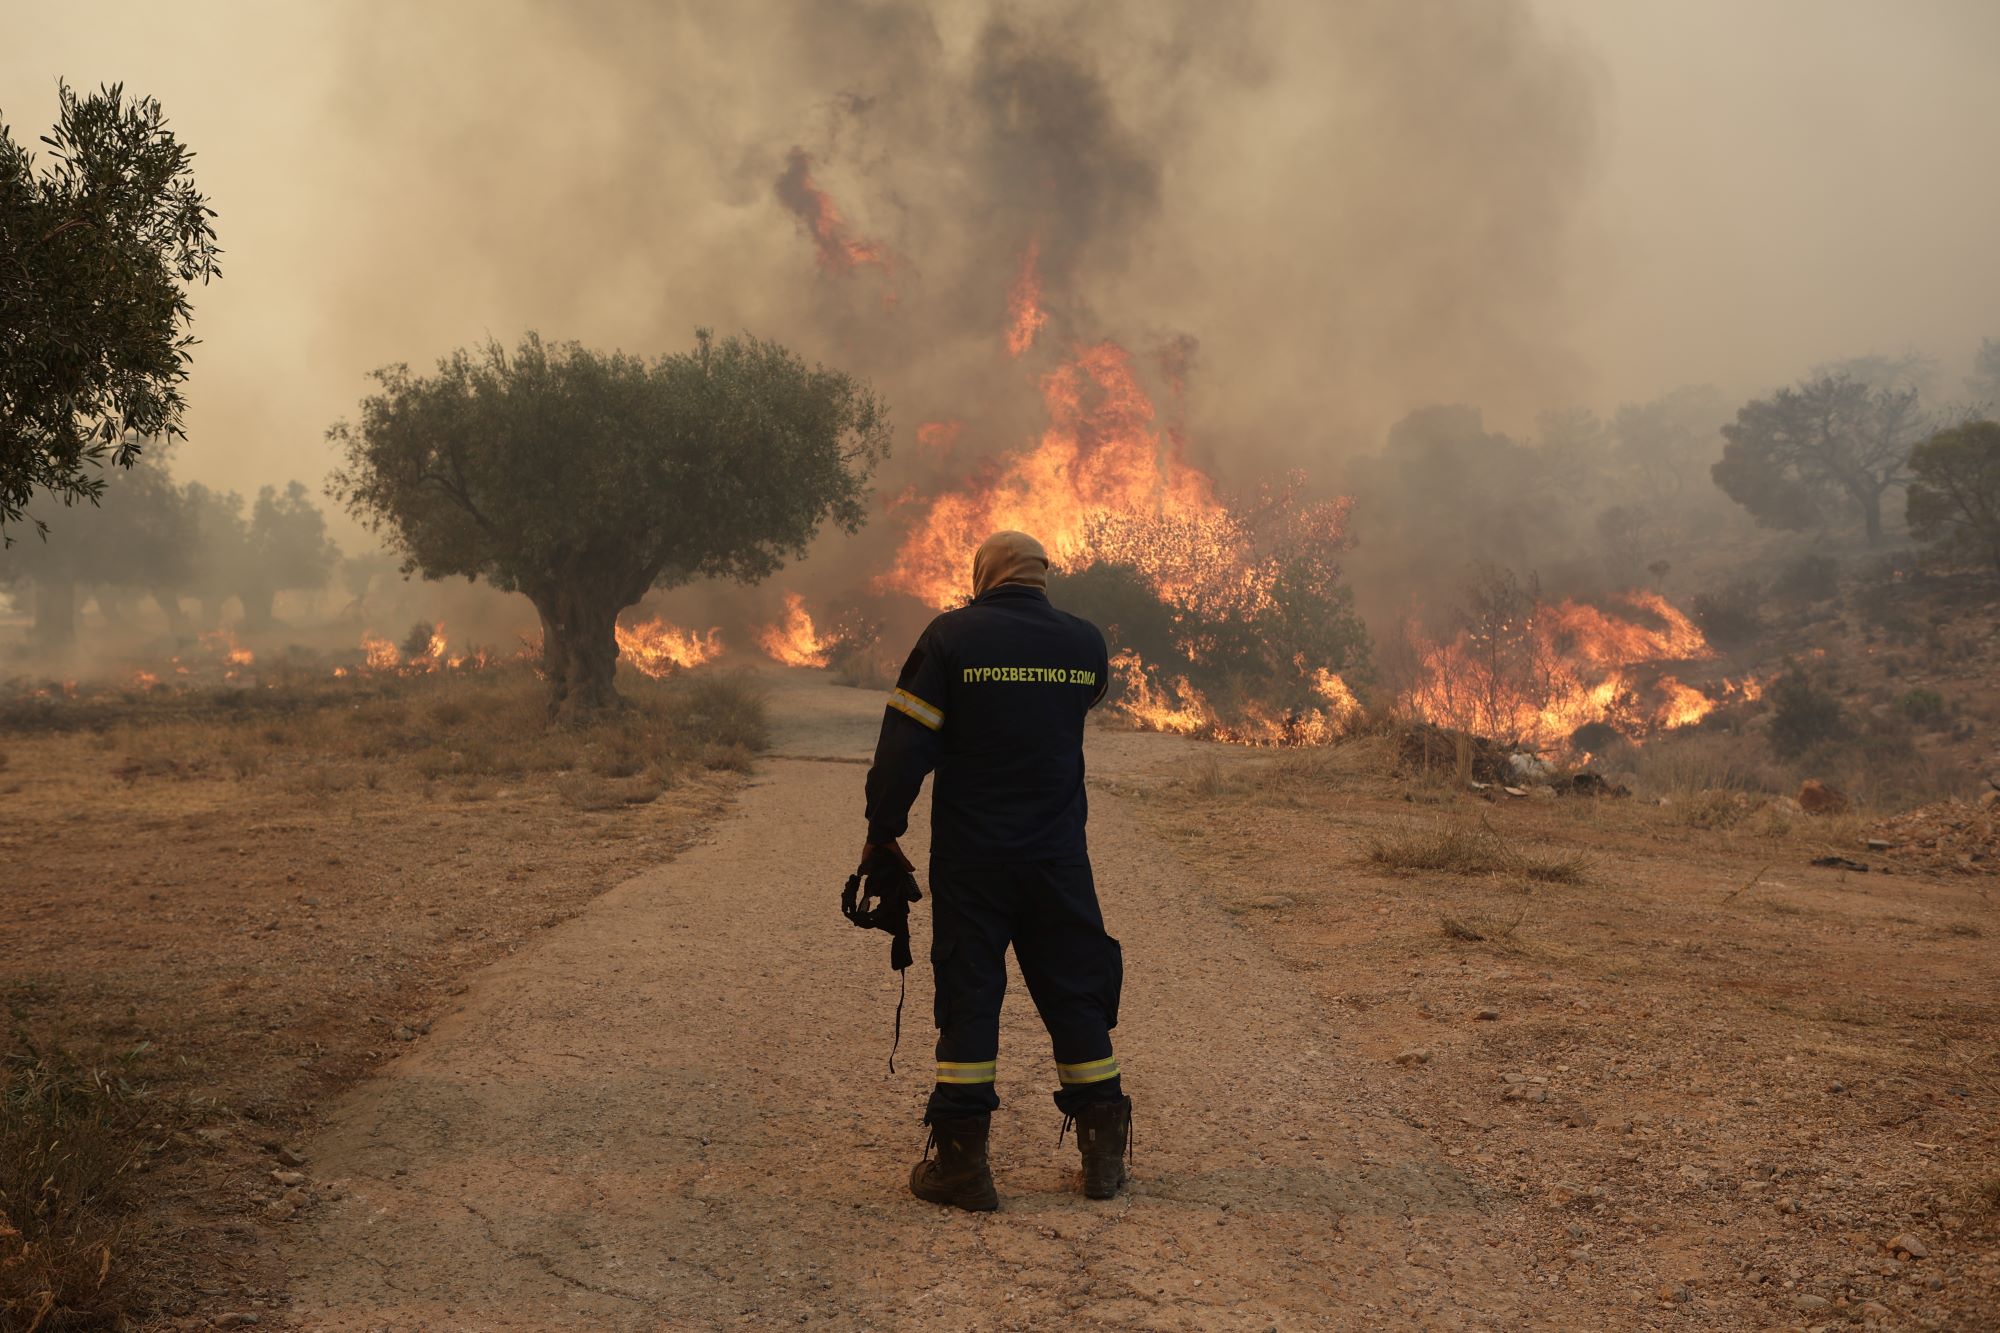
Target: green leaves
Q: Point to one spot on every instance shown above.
(583, 478)
(95, 246)
(1954, 495)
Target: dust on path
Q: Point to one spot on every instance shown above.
(672, 1112)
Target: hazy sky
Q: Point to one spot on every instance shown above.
(1510, 204)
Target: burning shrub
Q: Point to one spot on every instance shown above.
(1803, 715)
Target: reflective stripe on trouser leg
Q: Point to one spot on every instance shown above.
(961, 1071)
(1090, 1071)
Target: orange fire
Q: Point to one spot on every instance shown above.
(838, 248)
(938, 437)
(382, 654)
(1566, 665)
(223, 644)
(656, 648)
(1025, 316)
(794, 641)
(1098, 486)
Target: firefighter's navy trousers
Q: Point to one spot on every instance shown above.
(1048, 911)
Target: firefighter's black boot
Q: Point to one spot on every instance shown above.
(958, 1175)
(1104, 1135)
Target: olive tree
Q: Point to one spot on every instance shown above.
(583, 479)
(1834, 440)
(1954, 496)
(96, 251)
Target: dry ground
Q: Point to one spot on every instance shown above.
(1716, 1080)
(265, 894)
(1715, 1083)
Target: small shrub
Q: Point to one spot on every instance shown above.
(1922, 706)
(1810, 578)
(1729, 616)
(1802, 715)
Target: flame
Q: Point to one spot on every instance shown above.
(656, 648)
(938, 437)
(838, 248)
(1025, 316)
(1099, 485)
(223, 644)
(382, 655)
(794, 641)
(1567, 665)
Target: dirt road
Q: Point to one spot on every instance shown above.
(673, 1112)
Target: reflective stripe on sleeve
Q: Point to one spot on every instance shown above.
(978, 1071)
(911, 706)
(1091, 1071)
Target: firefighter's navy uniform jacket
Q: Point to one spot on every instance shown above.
(993, 701)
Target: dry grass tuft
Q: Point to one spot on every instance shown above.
(1455, 849)
(70, 1138)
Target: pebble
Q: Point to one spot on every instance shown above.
(1524, 1092)
(406, 1033)
(1487, 1015)
(1910, 1245)
(1675, 1292)
(1806, 1303)
(1788, 1205)
(291, 1157)
(1412, 1058)
(289, 1177)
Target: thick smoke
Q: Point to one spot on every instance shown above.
(1323, 216)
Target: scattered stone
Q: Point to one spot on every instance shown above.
(1675, 1292)
(1879, 844)
(1911, 1245)
(1524, 1092)
(1807, 1303)
(288, 1177)
(237, 1319)
(1788, 1205)
(1840, 863)
(1874, 1311)
(1816, 798)
(215, 1136)
(281, 1210)
(291, 1157)
(1487, 1016)
(1411, 1058)
(405, 1033)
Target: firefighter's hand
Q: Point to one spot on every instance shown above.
(869, 850)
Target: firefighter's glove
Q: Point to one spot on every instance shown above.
(878, 897)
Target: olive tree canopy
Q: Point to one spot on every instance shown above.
(96, 250)
(582, 479)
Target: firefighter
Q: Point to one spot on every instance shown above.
(993, 700)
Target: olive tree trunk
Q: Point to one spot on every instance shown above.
(579, 653)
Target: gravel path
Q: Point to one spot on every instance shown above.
(673, 1112)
